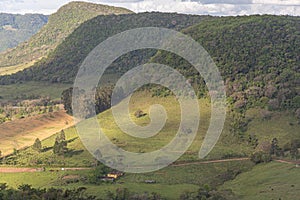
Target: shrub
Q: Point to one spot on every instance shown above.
(261, 157)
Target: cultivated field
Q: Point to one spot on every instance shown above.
(22, 133)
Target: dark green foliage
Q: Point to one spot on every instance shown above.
(60, 145)
(238, 123)
(258, 57)
(27, 192)
(204, 193)
(295, 144)
(275, 149)
(103, 98)
(261, 157)
(15, 28)
(98, 173)
(253, 140)
(37, 146)
(67, 100)
(125, 194)
(102, 101)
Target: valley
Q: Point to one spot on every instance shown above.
(43, 156)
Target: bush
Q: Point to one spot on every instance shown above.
(261, 157)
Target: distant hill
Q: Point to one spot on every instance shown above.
(60, 25)
(15, 28)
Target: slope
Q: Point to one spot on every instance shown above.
(15, 28)
(60, 25)
(258, 57)
(62, 64)
(22, 133)
(268, 181)
(175, 179)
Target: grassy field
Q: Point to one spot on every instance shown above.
(14, 69)
(171, 181)
(281, 125)
(267, 181)
(54, 179)
(32, 90)
(80, 157)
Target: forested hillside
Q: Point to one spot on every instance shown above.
(61, 24)
(15, 29)
(63, 63)
(258, 57)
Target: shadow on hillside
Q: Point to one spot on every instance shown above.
(70, 153)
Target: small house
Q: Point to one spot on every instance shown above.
(115, 175)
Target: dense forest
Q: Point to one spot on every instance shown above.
(258, 57)
(15, 28)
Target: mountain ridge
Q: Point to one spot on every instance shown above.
(17, 28)
(60, 25)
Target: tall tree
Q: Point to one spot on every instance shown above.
(37, 146)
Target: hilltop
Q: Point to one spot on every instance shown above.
(15, 28)
(60, 25)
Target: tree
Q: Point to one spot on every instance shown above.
(37, 146)
(15, 151)
(294, 150)
(261, 157)
(60, 148)
(67, 100)
(56, 147)
(61, 137)
(238, 124)
(253, 140)
(99, 171)
(275, 149)
(98, 154)
(60, 145)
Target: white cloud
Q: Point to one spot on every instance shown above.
(212, 7)
(217, 7)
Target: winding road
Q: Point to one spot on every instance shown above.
(31, 170)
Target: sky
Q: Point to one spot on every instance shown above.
(201, 7)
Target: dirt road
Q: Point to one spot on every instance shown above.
(210, 161)
(21, 170)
